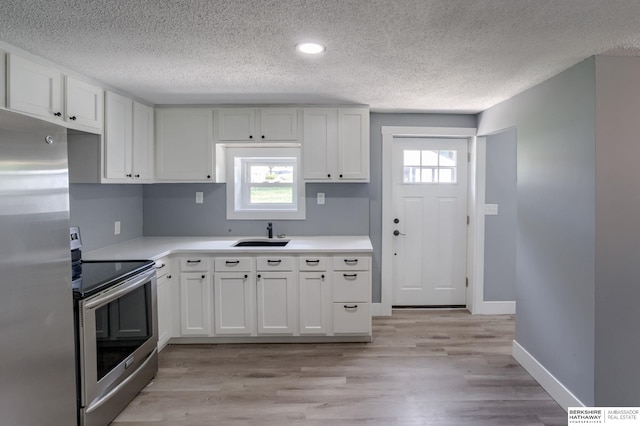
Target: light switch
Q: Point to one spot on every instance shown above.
(491, 209)
(320, 197)
(199, 198)
(116, 227)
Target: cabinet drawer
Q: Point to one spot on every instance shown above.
(163, 267)
(275, 263)
(351, 318)
(351, 286)
(244, 264)
(194, 263)
(347, 263)
(312, 263)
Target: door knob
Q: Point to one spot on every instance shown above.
(396, 233)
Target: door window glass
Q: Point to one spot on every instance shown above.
(430, 166)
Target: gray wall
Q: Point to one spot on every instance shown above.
(617, 268)
(500, 231)
(95, 208)
(170, 210)
(375, 187)
(555, 282)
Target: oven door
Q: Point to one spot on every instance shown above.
(118, 338)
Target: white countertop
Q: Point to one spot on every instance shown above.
(156, 247)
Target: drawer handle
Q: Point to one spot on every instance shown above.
(231, 262)
(351, 261)
(161, 266)
(350, 275)
(194, 261)
(274, 262)
(351, 306)
(312, 262)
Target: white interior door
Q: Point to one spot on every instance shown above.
(429, 187)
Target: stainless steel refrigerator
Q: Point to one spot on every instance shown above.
(37, 358)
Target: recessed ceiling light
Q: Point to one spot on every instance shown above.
(310, 48)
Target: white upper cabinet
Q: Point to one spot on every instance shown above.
(336, 144)
(184, 144)
(118, 136)
(261, 124)
(128, 140)
(320, 143)
(83, 104)
(143, 142)
(38, 90)
(33, 88)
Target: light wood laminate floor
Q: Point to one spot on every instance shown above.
(429, 367)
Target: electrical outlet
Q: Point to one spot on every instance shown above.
(116, 228)
(199, 197)
(320, 197)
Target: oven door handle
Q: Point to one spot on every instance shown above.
(122, 289)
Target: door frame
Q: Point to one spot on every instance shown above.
(473, 207)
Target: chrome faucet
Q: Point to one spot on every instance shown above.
(270, 230)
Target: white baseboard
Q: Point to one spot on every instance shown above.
(553, 386)
(496, 308)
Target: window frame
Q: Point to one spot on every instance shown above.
(238, 163)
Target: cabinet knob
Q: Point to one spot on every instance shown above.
(73, 117)
(329, 175)
(259, 276)
(168, 277)
(129, 175)
(250, 136)
(247, 276)
(203, 276)
(322, 276)
(137, 176)
(57, 114)
(340, 176)
(208, 176)
(262, 136)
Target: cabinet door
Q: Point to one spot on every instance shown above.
(314, 303)
(276, 303)
(237, 124)
(83, 104)
(195, 296)
(184, 144)
(353, 144)
(143, 158)
(234, 303)
(165, 309)
(118, 136)
(320, 143)
(278, 124)
(33, 88)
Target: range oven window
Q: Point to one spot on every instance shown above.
(122, 326)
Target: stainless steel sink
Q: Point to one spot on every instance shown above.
(261, 243)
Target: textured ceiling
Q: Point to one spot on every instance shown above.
(394, 55)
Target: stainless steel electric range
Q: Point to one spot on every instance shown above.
(116, 332)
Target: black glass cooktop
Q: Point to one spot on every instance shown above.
(94, 276)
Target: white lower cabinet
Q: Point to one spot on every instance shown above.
(245, 297)
(166, 290)
(195, 296)
(276, 295)
(234, 296)
(314, 300)
(351, 294)
(314, 303)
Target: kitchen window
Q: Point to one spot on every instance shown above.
(264, 183)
